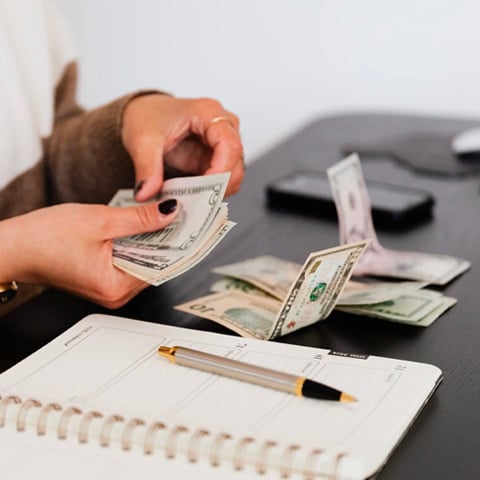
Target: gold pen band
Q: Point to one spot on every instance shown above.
(299, 386)
(168, 352)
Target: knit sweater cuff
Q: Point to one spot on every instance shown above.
(88, 160)
(109, 123)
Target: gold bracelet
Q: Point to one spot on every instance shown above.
(8, 291)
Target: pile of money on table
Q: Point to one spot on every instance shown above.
(266, 297)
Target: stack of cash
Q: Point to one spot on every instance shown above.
(404, 301)
(250, 294)
(201, 223)
(291, 297)
(267, 297)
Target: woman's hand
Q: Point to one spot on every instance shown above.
(180, 132)
(69, 247)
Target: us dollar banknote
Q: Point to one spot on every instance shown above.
(201, 223)
(310, 297)
(355, 223)
(268, 275)
(271, 274)
(367, 293)
(420, 308)
(403, 302)
(231, 284)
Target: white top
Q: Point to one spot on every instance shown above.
(34, 50)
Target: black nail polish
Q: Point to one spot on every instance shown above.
(138, 186)
(168, 206)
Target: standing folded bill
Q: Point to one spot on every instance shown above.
(311, 296)
(355, 222)
(405, 302)
(268, 275)
(201, 223)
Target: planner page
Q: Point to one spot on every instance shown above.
(111, 365)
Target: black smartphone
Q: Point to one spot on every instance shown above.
(308, 192)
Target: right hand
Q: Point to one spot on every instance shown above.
(162, 131)
(69, 247)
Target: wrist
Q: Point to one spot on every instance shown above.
(12, 254)
(132, 100)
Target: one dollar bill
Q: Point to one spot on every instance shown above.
(352, 202)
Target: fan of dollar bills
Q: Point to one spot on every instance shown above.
(266, 297)
(201, 223)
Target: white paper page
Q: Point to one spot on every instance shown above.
(26, 457)
(110, 364)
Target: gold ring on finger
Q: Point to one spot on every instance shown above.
(216, 120)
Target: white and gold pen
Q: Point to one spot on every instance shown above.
(247, 372)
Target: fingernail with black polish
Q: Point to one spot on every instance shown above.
(138, 186)
(167, 206)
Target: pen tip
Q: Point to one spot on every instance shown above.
(345, 397)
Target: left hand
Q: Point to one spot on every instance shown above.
(69, 247)
(159, 128)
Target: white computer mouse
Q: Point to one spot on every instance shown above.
(466, 145)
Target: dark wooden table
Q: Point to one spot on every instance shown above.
(443, 442)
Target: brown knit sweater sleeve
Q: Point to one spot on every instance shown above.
(83, 161)
(84, 157)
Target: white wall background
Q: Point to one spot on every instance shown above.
(280, 63)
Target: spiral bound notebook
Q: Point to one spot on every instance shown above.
(98, 402)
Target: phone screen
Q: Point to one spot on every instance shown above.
(387, 196)
(310, 191)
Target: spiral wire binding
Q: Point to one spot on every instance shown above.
(42, 418)
(215, 450)
(239, 457)
(127, 436)
(85, 423)
(262, 456)
(107, 428)
(195, 438)
(309, 473)
(194, 444)
(68, 413)
(22, 413)
(4, 404)
(286, 468)
(170, 450)
(149, 442)
(338, 460)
